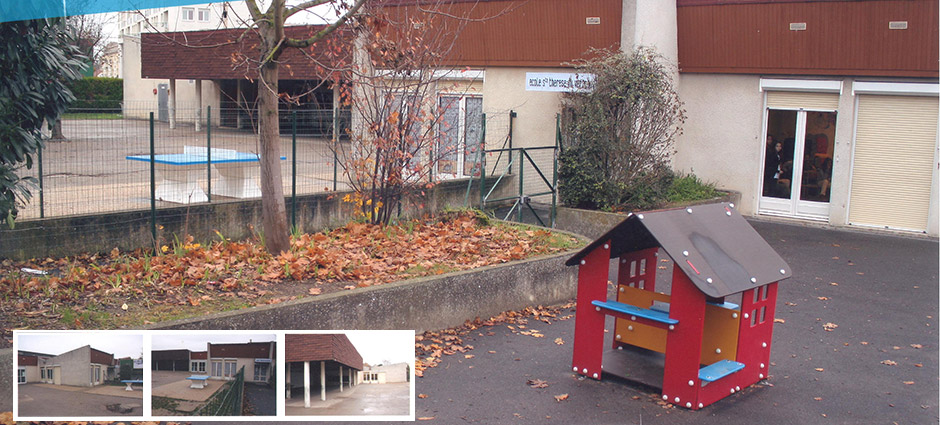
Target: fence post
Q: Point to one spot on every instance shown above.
(335, 145)
(483, 165)
(153, 188)
(209, 153)
(521, 192)
(512, 114)
(555, 168)
(42, 197)
(293, 172)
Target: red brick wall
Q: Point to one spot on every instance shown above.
(28, 361)
(320, 347)
(101, 357)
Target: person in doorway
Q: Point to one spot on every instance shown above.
(823, 176)
(771, 166)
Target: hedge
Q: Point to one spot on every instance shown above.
(97, 93)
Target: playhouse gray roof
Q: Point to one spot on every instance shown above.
(712, 244)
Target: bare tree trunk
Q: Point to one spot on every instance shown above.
(273, 211)
(57, 130)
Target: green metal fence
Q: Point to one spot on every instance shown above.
(228, 401)
(537, 164)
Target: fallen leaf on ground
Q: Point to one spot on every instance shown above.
(817, 398)
(314, 291)
(819, 369)
(426, 418)
(829, 327)
(779, 321)
(561, 398)
(822, 298)
(908, 382)
(468, 356)
(917, 346)
(559, 341)
(889, 362)
(833, 284)
(537, 383)
(422, 396)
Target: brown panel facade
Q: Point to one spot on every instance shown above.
(249, 350)
(841, 38)
(532, 33)
(228, 54)
(321, 347)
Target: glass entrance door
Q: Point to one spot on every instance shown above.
(797, 166)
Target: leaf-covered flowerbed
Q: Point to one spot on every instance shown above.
(187, 279)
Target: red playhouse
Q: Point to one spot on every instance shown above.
(708, 351)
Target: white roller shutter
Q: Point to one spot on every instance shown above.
(797, 100)
(893, 159)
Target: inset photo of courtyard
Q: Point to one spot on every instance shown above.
(350, 373)
(224, 374)
(79, 374)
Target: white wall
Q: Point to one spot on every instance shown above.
(651, 23)
(721, 141)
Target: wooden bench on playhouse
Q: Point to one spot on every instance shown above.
(712, 348)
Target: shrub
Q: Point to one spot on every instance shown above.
(97, 93)
(619, 135)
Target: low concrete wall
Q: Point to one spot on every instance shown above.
(6, 380)
(428, 303)
(65, 236)
(593, 224)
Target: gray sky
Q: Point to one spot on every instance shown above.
(384, 346)
(55, 343)
(197, 341)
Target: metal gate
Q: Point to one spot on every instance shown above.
(516, 160)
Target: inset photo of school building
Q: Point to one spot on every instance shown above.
(75, 374)
(225, 374)
(349, 373)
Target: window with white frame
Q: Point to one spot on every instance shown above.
(461, 131)
(203, 15)
(188, 14)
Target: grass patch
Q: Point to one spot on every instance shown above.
(689, 188)
(92, 116)
(164, 403)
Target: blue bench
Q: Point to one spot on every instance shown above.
(131, 381)
(627, 309)
(718, 370)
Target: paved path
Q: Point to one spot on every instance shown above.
(261, 398)
(365, 399)
(40, 400)
(881, 291)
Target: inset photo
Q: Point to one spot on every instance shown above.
(79, 374)
(350, 373)
(218, 374)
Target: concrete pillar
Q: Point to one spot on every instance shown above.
(307, 384)
(341, 379)
(323, 380)
(288, 381)
(198, 104)
(172, 102)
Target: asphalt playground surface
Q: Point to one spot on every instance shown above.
(879, 365)
(47, 400)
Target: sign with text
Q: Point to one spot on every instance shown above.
(559, 81)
